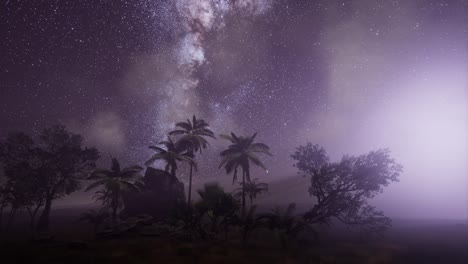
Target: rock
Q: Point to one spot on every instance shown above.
(161, 194)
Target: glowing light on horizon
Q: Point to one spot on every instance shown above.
(426, 127)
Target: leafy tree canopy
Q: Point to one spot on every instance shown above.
(40, 170)
(342, 188)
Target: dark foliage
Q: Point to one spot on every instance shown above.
(248, 222)
(342, 189)
(23, 170)
(96, 218)
(67, 163)
(252, 189)
(115, 182)
(192, 139)
(284, 223)
(41, 170)
(241, 152)
(171, 154)
(217, 206)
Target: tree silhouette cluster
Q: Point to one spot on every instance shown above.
(218, 212)
(242, 152)
(191, 139)
(42, 169)
(341, 189)
(180, 146)
(115, 182)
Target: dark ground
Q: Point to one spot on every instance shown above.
(409, 241)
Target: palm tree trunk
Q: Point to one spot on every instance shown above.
(173, 173)
(190, 186)
(243, 192)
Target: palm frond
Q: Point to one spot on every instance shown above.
(115, 167)
(154, 158)
(194, 121)
(131, 185)
(259, 146)
(206, 133)
(177, 132)
(132, 169)
(167, 143)
(184, 125)
(230, 157)
(157, 149)
(201, 124)
(260, 150)
(96, 184)
(257, 161)
(190, 161)
(99, 173)
(253, 136)
(227, 137)
(234, 137)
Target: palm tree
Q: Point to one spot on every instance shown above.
(171, 155)
(252, 188)
(193, 140)
(216, 204)
(115, 182)
(240, 153)
(284, 224)
(248, 222)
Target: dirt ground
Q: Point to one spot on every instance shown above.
(409, 241)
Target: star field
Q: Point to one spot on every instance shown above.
(122, 72)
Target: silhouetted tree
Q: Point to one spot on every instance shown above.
(7, 202)
(342, 188)
(240, 153)
(248, 222)
(217, 205)
(66, 163)
(16, 153)
(22, 168)
(33, 195)
(190, 219)
(115, 182)
(252, 189)
(285, 224)
(42, 170)
(192, 140)
(171, 155)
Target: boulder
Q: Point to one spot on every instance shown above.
(159, 197)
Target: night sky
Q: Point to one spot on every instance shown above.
(350, 75)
